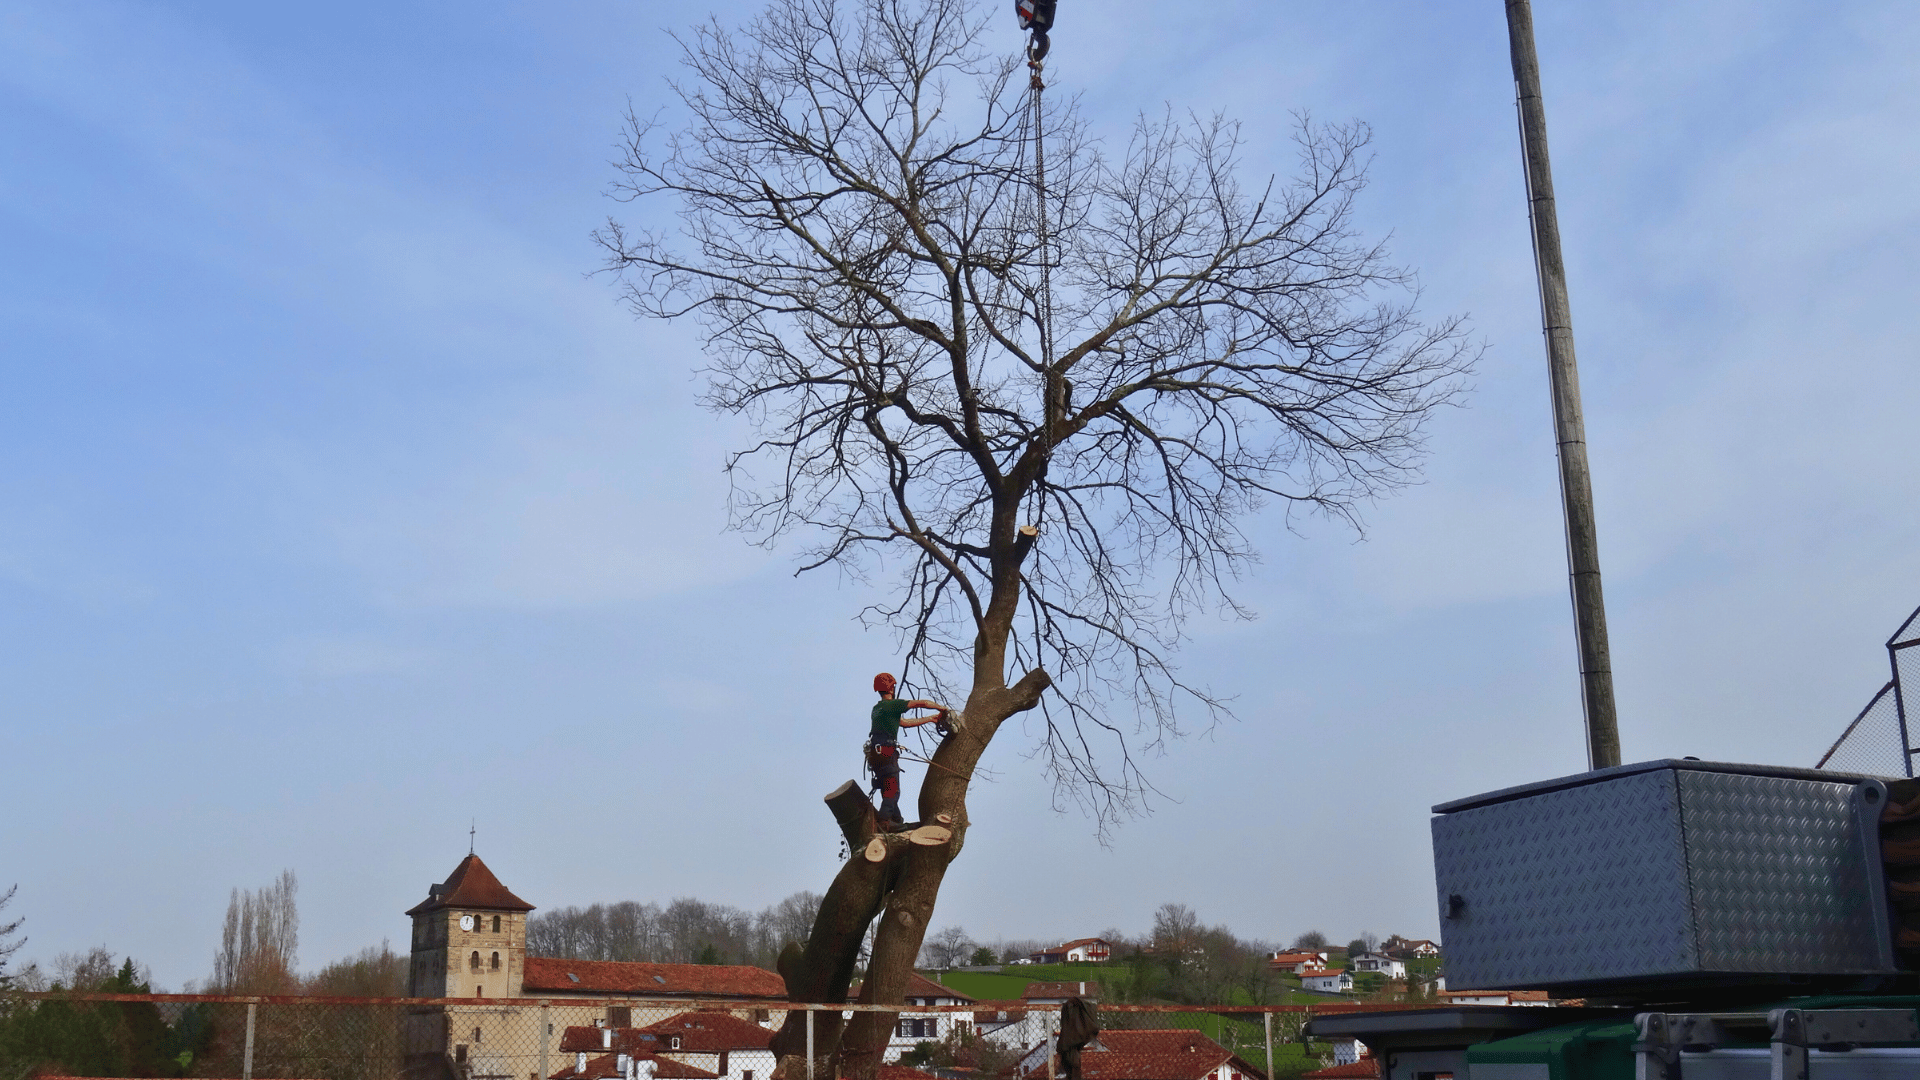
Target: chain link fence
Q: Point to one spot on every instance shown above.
(1871, 744)
(1879, 741)
(181, 1035)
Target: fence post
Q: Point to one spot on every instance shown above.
(546, 1030)
(1052, 1046)
(809, 1009)
(1267, 1016)
(246, 1059)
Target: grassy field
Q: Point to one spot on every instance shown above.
(1010, 984)
(1244, 1036)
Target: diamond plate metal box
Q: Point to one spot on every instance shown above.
(1662, 870)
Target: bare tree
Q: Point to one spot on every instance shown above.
(8, 946)
(260, 940)
(947, 948)
(680, 933)
(93, 969)
(1046, 409)
(1312, 940)
(1176, 932)
(375, 971)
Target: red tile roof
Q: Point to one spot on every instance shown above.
(546, 975)
(919, 986)
(596, 1040)
(471, 885)
(1364, 1069)
(1158, 1041)
(607, 1066)
(904, 1072)
(711, 1032)
(1077, 942)
(1156, 1055)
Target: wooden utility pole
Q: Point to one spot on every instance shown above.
(1569, 426)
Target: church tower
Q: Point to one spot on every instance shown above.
(469, 937)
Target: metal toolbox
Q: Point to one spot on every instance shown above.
(1663, 870)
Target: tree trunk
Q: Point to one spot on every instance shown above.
(822, 970)
(909, 903)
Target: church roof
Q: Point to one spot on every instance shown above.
(471, 885)
(544, 975)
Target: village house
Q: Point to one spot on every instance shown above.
(1295, 961)
(723, 1044)
(1077, 951)
(1019, 1024)
(1383, 965)
(1007, 1023)
(1322, 981)
(1495, 997)
(1145, 1055)
(1365, 1069)
(623, 1066)
(1409, 948)
(1348, 1051)
(469, 942)
(912, 1027)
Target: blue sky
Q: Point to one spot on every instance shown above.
(342, 507)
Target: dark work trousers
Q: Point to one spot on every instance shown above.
(885, 759)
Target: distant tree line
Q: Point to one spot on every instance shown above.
(257, 955)
(1181, 960)
(685, 931)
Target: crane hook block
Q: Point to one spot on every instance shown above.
(1035, 15)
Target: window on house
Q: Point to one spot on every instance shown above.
(746, 1074)
(476, 1034)
(460, 1054)
(918, 1028)
(473, 962)
(496, 924)
(496, 961)
(676, 1042)
(479, 991)
(619, 1016)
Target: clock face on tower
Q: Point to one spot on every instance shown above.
(466, 922)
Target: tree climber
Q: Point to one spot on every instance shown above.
(1035, 16)
(883, 744)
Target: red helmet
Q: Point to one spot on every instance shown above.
(883, 683)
